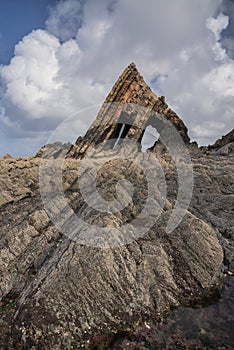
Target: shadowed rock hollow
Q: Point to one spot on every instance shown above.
(57, 293)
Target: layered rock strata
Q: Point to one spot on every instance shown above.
(57, 293)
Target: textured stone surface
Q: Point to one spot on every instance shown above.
(129, 89)
(213, 198)
(55, 290)
(208, 327)
(57, 294)
(227, 139)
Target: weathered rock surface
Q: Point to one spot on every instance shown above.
(57, 293)
(131, 90)
(207, 327)
(213, 198)
(226, 141)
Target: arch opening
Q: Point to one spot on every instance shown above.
(149, 138)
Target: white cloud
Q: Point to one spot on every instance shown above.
(58, 71)
(221, 80)
(43, 82)
(31, 76)
(200, 88)
(208, 129)
(65, 18)
(217, 25)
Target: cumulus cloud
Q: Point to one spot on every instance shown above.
(65, 19)
(74, 62)
(221, 80)
(31, 76)
(205, 98)
(217, 25)
(43, 85)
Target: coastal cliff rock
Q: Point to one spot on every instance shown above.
(131, 90)
(57, 293)
(224, 141)
(225, 145)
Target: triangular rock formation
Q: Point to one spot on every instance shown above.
(130, 89)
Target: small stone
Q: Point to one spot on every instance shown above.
(202, 331)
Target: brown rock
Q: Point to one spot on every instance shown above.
(56, 293)
(132, 90)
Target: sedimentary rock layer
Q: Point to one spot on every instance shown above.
(56, 293)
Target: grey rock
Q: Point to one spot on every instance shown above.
(56, 293)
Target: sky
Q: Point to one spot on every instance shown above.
(60, 57)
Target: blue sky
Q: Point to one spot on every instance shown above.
(18, 18)
(59, 57)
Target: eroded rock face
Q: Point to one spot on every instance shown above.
(130, 90)
(213, 198)
(57, 293)
(55, 290)
(226, 140)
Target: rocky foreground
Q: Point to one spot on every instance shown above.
(57, 293)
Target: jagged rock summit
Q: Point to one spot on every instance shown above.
(59, 294)
(130, 89)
